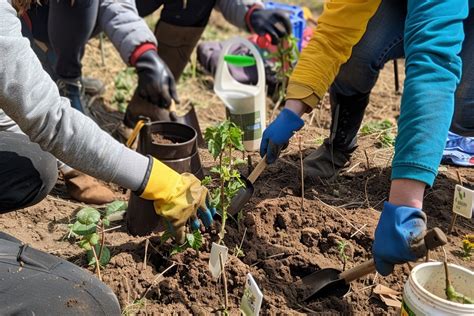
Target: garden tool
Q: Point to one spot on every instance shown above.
(333, 282)
(139, 107)
(244, 194)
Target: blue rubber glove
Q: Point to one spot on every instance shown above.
(278, 134)
(206, 216)
(399, 227)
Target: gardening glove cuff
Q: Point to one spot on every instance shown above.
(272, 22)
(176, 197)
(277, 135)
(399, 231)
(156, 83)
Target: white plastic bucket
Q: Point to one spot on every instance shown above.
(424, 291)
(245, 103)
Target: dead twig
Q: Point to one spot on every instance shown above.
(269, 257)
(97, 263)
(340, 214)
(299, 137)
(147, 242)
(112, 228)
(307, 309)
(367, 166)
(358, 231)
(365, 191)
(156, 279)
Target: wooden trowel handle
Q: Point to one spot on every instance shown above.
(359, 271)
(258, 170)
(433, 239)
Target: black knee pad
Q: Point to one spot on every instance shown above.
(27, 173)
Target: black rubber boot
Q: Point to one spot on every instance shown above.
(335, 153)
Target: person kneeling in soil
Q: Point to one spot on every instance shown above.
(33, 282)
(432, 33)
(58, 32)
(181, 25)
(350, 92)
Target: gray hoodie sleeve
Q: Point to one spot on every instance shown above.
(31, 99)
(234, 10)
(121, 23)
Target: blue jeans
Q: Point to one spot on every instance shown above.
(383, 41)
(63, 31)
(435, 37)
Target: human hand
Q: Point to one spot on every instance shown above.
(272, 22)
(156, 83)
(398, 230)
(277, 135)
(178, 198)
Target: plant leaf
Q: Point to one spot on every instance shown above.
(194, 240)
(104, 258)
(88, 215)
(84, 244)
(114, 207)
(81, 229)
(176, 249)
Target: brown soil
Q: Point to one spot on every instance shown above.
(159, 139)
(282, 243)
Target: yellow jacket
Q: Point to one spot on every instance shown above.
(340, 27)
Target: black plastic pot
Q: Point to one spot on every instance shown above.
(182, 156)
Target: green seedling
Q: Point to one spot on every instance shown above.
(193, 240)
(89, 224)
(341, 249)
(382, 130)
(222, 140)
(286, 56)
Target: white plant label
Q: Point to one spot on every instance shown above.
(463, 201)
(214, 261)
(252, 298)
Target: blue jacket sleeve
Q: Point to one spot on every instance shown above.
(433, 39)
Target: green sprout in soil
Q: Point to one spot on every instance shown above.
(193, 240)
(89, 227)
(341, 249)
(382, 130)
(467, 247)
(222, 140)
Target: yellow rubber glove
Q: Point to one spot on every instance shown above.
(177, 198)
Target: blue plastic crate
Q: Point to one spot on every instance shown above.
(296, 18)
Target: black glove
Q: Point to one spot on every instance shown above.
(155, 81)
(272, 22)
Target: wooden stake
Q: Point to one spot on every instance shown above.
(97, 263)
(367, 159)
(224, 281)
(302, 171)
